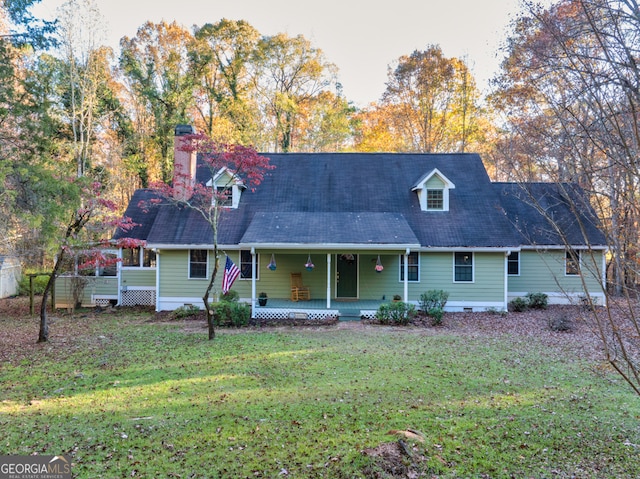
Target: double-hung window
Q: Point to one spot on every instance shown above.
(198, 263)
(246, 271)
(225, 195)
(463, 267)
(435, 199)
(413, 267)
(572, 262)
(513, 263)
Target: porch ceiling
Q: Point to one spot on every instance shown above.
(330, 228)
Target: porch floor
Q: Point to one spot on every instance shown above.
(317, 308)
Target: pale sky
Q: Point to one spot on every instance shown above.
(361, 37)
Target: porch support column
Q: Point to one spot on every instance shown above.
(505, 304)
(406, 275)
(118, 275)
(604, 277)
(253, 282)
(157, 279)
(328, 280)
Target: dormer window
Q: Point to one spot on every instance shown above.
(225, 196)
(228, 188)
(433, 191)
(435, 199)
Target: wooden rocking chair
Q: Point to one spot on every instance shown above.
(298, 290)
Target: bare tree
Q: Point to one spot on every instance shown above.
(570, 89)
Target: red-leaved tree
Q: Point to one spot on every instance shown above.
(88, 230)
(241, 163)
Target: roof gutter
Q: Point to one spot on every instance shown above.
(477, 249)
(540, 247)
(332, 246)
(289, 246)
(341, 247)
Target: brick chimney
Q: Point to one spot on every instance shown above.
(184, 163)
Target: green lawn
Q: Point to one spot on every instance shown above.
(125, 397)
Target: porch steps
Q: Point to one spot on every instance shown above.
(349, 315)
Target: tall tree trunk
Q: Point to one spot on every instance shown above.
(43, 335)
(207, 293)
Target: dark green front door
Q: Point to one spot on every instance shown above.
(347, 276)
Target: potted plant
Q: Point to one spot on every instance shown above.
(262, 299)
(397, 298)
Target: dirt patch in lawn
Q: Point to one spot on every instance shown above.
(19, 330)
(67, 331)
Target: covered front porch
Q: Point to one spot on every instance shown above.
(348, 284)
(351, 310)
(349, 262)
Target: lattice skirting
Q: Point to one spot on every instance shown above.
(279, 313)
(368, 314)
(104, 302)
(139, 297)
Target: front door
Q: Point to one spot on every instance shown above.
(347, 276)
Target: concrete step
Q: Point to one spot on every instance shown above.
(349, 315)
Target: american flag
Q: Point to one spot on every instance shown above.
(231, 272)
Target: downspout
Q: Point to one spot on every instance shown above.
(253, 282)
(157, 280)
(406, 275)
(328, 280)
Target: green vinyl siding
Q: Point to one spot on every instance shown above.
(139, 277)
(174, 278)
(436, 272)
(95, 285)
(434, 182)
(277, 284)
(375, 285)
(104, 286)
(544, 271)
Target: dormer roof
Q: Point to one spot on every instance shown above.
(233, 178)
(422, 182)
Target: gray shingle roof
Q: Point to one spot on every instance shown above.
(330, 228)
(534, 209)
(144, 218)
(354, 198)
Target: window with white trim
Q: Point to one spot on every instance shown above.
(131, 257)
(224, 196)
(138, 258)
(463, 267)
(245, 265)
(572, 262)
(198, 260)
(148, 258)
(228, 188)
(413, 266)
(435, 199)
(433, 191)
(111, 269)
(513, 263)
